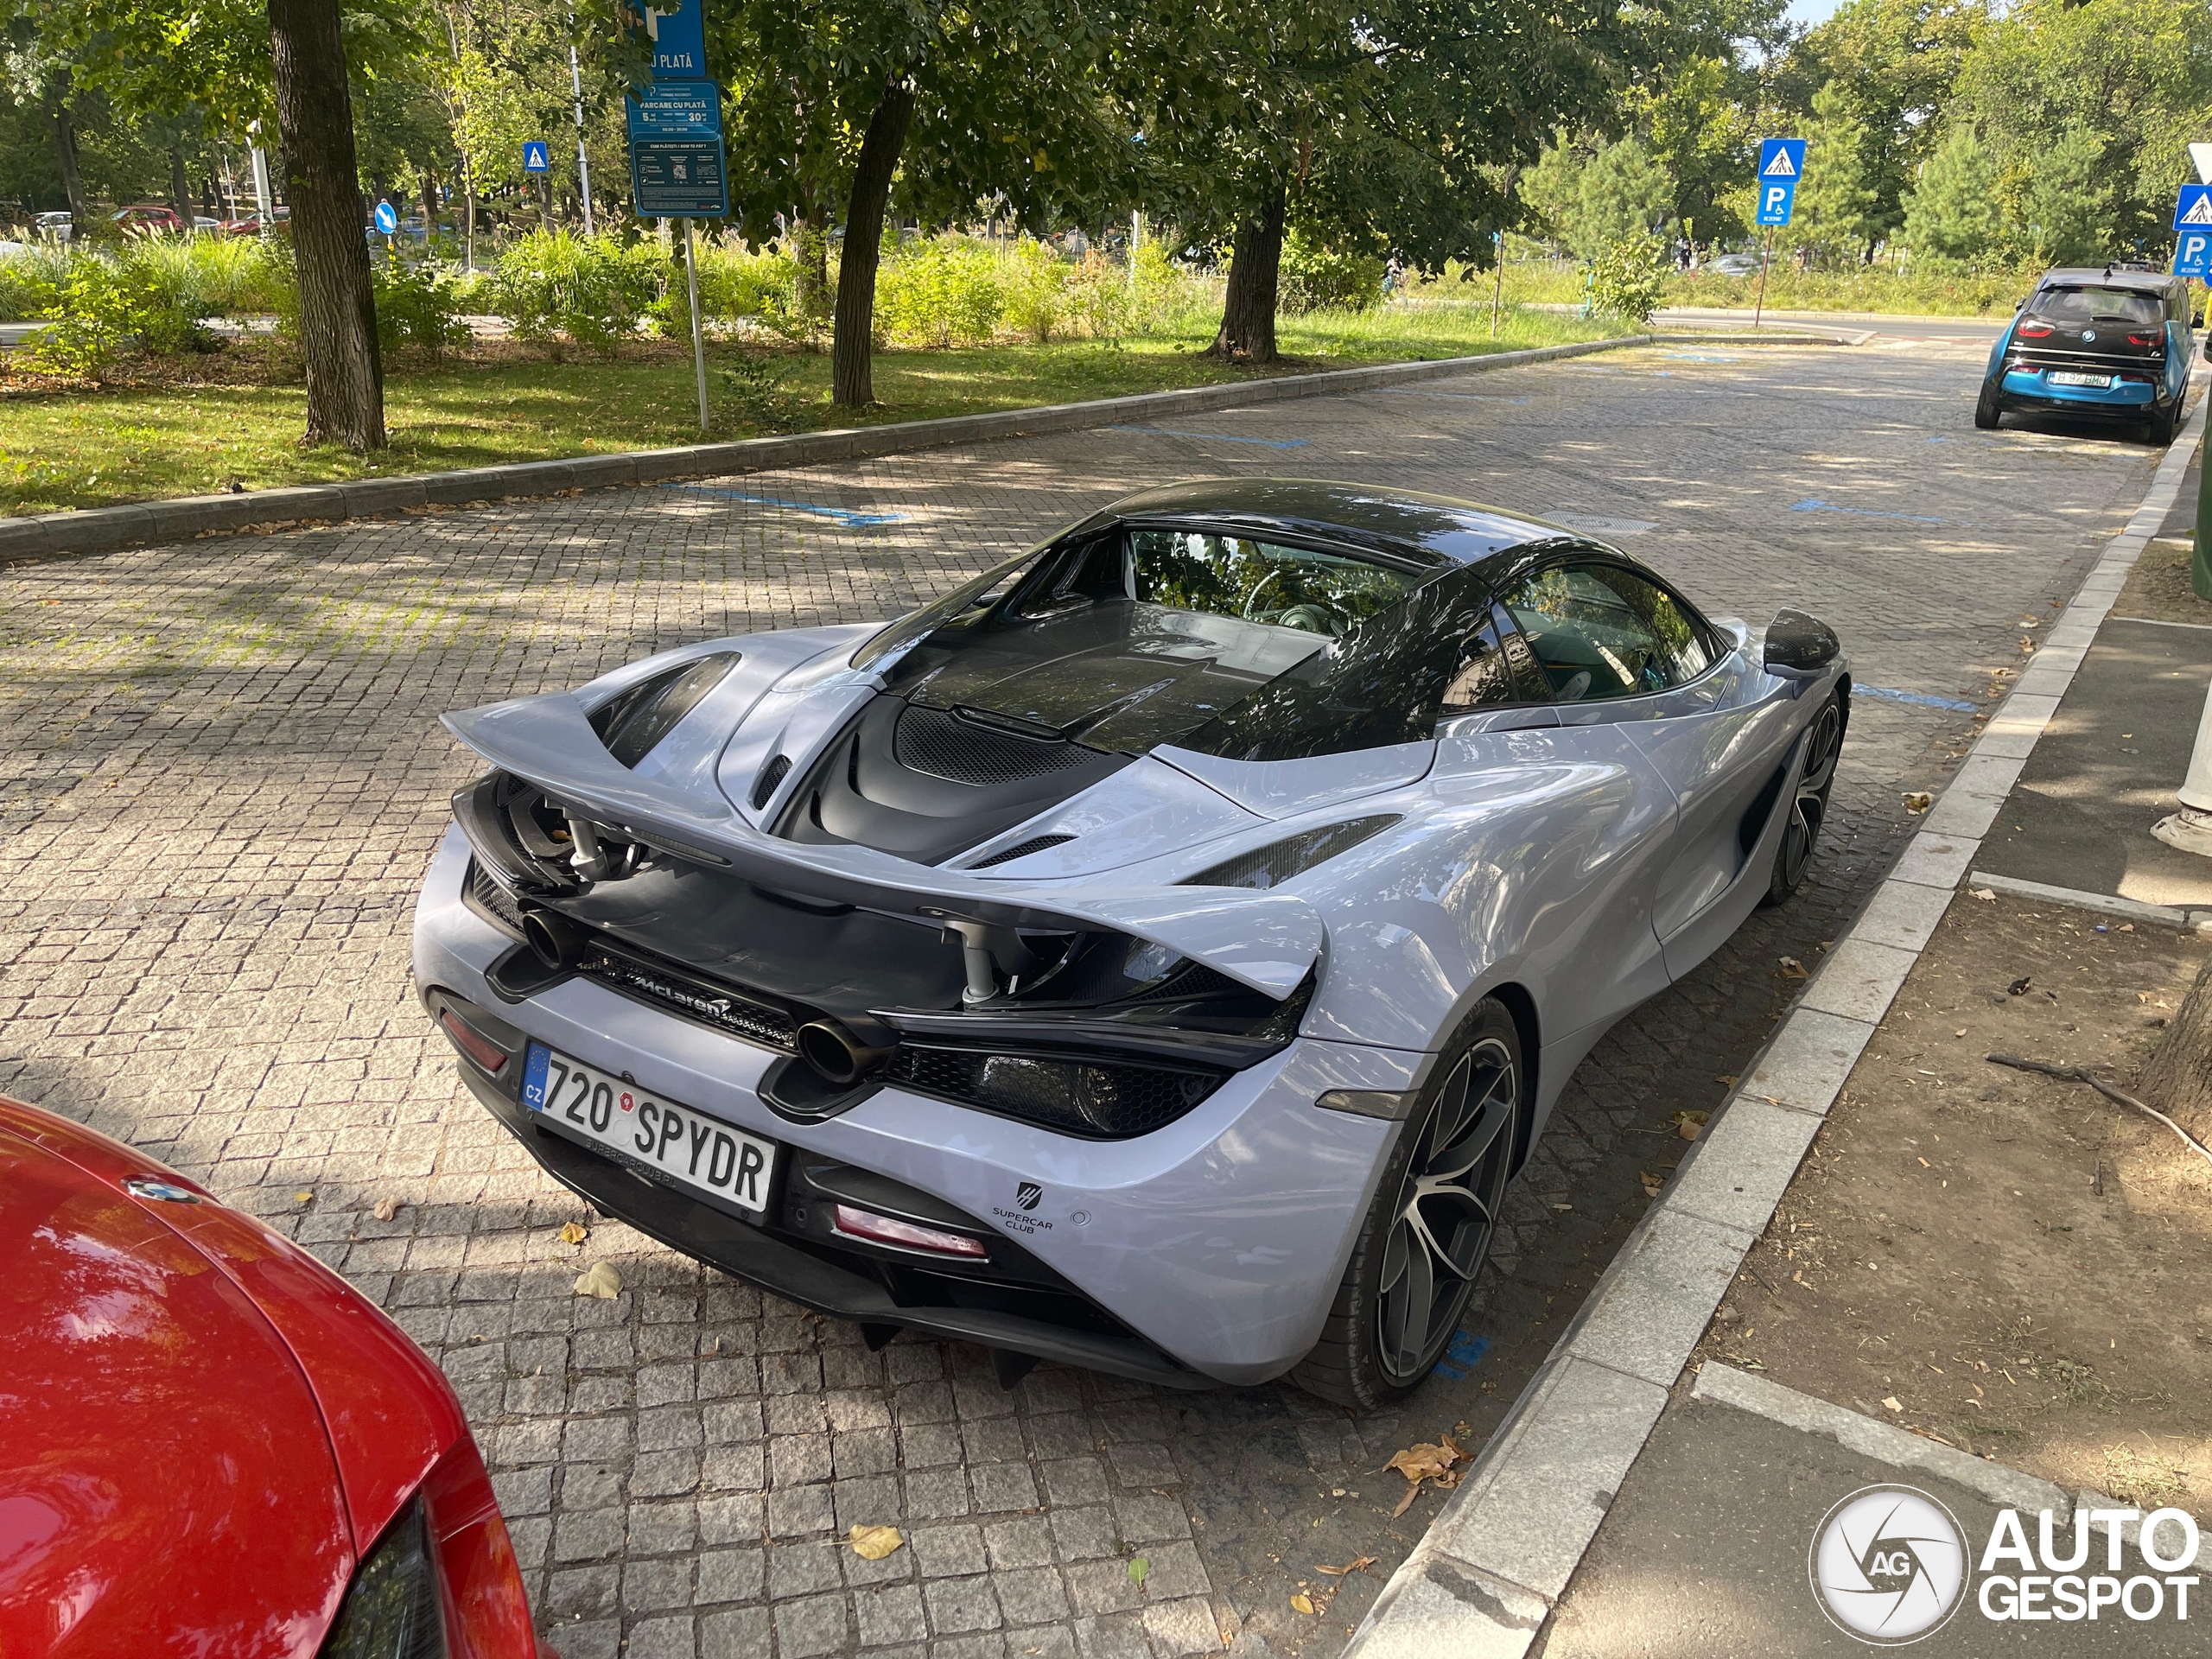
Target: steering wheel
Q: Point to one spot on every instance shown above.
(1311, 619)
(1252, 599)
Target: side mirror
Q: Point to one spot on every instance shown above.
(1799, 646)
(2197, 318)
(2017, 304)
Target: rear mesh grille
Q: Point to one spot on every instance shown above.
(943, 745)
(491, 900)
(1020, 849)
(1107, 1099)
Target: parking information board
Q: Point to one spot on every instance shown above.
(1782, 163)
(676, 108)
(678, 178)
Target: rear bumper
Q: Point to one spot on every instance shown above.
(2027, 389)
(1216, 1243)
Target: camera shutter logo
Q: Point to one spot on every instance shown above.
(1888, 1564)
(1027, 1194)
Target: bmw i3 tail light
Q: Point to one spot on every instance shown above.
(905, 1234)
(2142, 340)
(2035, 331)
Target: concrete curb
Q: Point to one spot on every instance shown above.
(2128, 910)
(105, 529)
(1495, 1562)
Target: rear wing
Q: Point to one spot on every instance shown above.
(1267, 941)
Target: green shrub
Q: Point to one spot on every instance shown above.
(755, 384)
(214, 276)
(104, 307)
(28, 282)
(1316, 279)
(945, 292)
(1164, 298)
(1627, 276)
(417, 305)
(1035, 280)
(593, 290)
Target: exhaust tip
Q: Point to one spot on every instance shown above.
(552, 938)
(834, 1055)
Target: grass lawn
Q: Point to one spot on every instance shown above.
(202, 425)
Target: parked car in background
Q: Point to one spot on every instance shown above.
(2108, 343)
(213, 1443)
(146, 219)
(61, 226)
(1734, 265)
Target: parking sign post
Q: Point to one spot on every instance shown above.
(676, 160)
(1782, 164)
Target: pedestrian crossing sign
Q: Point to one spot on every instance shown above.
(1782, 164)
(536, 158)
(2193, 209)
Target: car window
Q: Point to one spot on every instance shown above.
(1296, 587)
(2081, 305)
(1482, 679)
(1601, 632)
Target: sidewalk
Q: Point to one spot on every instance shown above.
(1887, 1261)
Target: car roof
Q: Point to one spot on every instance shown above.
(1432, 530)
(2151, 282)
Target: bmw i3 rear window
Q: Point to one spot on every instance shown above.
(2081, 305)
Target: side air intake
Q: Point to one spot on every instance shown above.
(1020, 849)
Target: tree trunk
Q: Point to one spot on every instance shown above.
(2178, 1079)
(429, 205)
(851, 367)
(64, 145)
(180, 189)
(810, 264)
(1247, 312)
(338, 320)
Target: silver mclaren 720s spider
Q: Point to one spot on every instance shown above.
(1158, 954)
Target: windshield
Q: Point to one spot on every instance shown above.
(2080, 305)
(1212, 575)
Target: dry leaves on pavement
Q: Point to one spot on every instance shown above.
(600, 1280)
(1423, 1461)
(574, 1232)
(874, 1543)
(386, 1209)
(1359, 1566)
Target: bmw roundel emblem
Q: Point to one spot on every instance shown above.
(2089, 334)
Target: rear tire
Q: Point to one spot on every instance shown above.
(1428, 1232)
(1808, 806)
(2159, 428)
(1986, 414)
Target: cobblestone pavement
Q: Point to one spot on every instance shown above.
(224, 775)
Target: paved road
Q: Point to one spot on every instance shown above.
(225, 777)
(1979, 330)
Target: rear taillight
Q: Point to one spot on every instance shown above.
(472, 1042)
(2142, 340)
(2034, 330)
(906, 1235)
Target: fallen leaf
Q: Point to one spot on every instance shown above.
(1422, 1461)
(1359, 1566)
(1651, 1183)
(1139, 1566)
(1983, 893)
(1792, 969)
(1301, 1604)
(874, 1543)
(386, 1209)
(303, 1196)
(601, 1280)
(1889, 1402)
(1918, 801)
(2018, 987)
(1406, 1502)
(2125, 927)
(574, 1232)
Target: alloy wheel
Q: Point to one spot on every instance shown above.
(1810, 808)
(1447, 1211)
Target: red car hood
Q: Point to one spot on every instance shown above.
(204, 1427)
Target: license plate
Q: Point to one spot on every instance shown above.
(685, 1149)
(2070, 377)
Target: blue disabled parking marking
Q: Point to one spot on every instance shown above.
(840, 515)
(1814, 504)
(1919, 699)
(1457, 396)
(1464, 1355)
(1213, 437)
(1700, 357)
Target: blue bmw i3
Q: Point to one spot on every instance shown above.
(2112, 343)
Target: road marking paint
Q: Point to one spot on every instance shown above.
(841, 515)
(1213, 437)
(1920, 698)
(1814, 504)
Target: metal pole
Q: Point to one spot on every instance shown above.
(1759, 310)
(261, 205)
(1497, 292)
(698, 340)
(576, 90)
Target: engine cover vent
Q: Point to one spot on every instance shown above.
(1020, 849)
(940, 744)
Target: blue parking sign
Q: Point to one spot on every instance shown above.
(2193, 255)
(536, 158)
(1782, 163)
